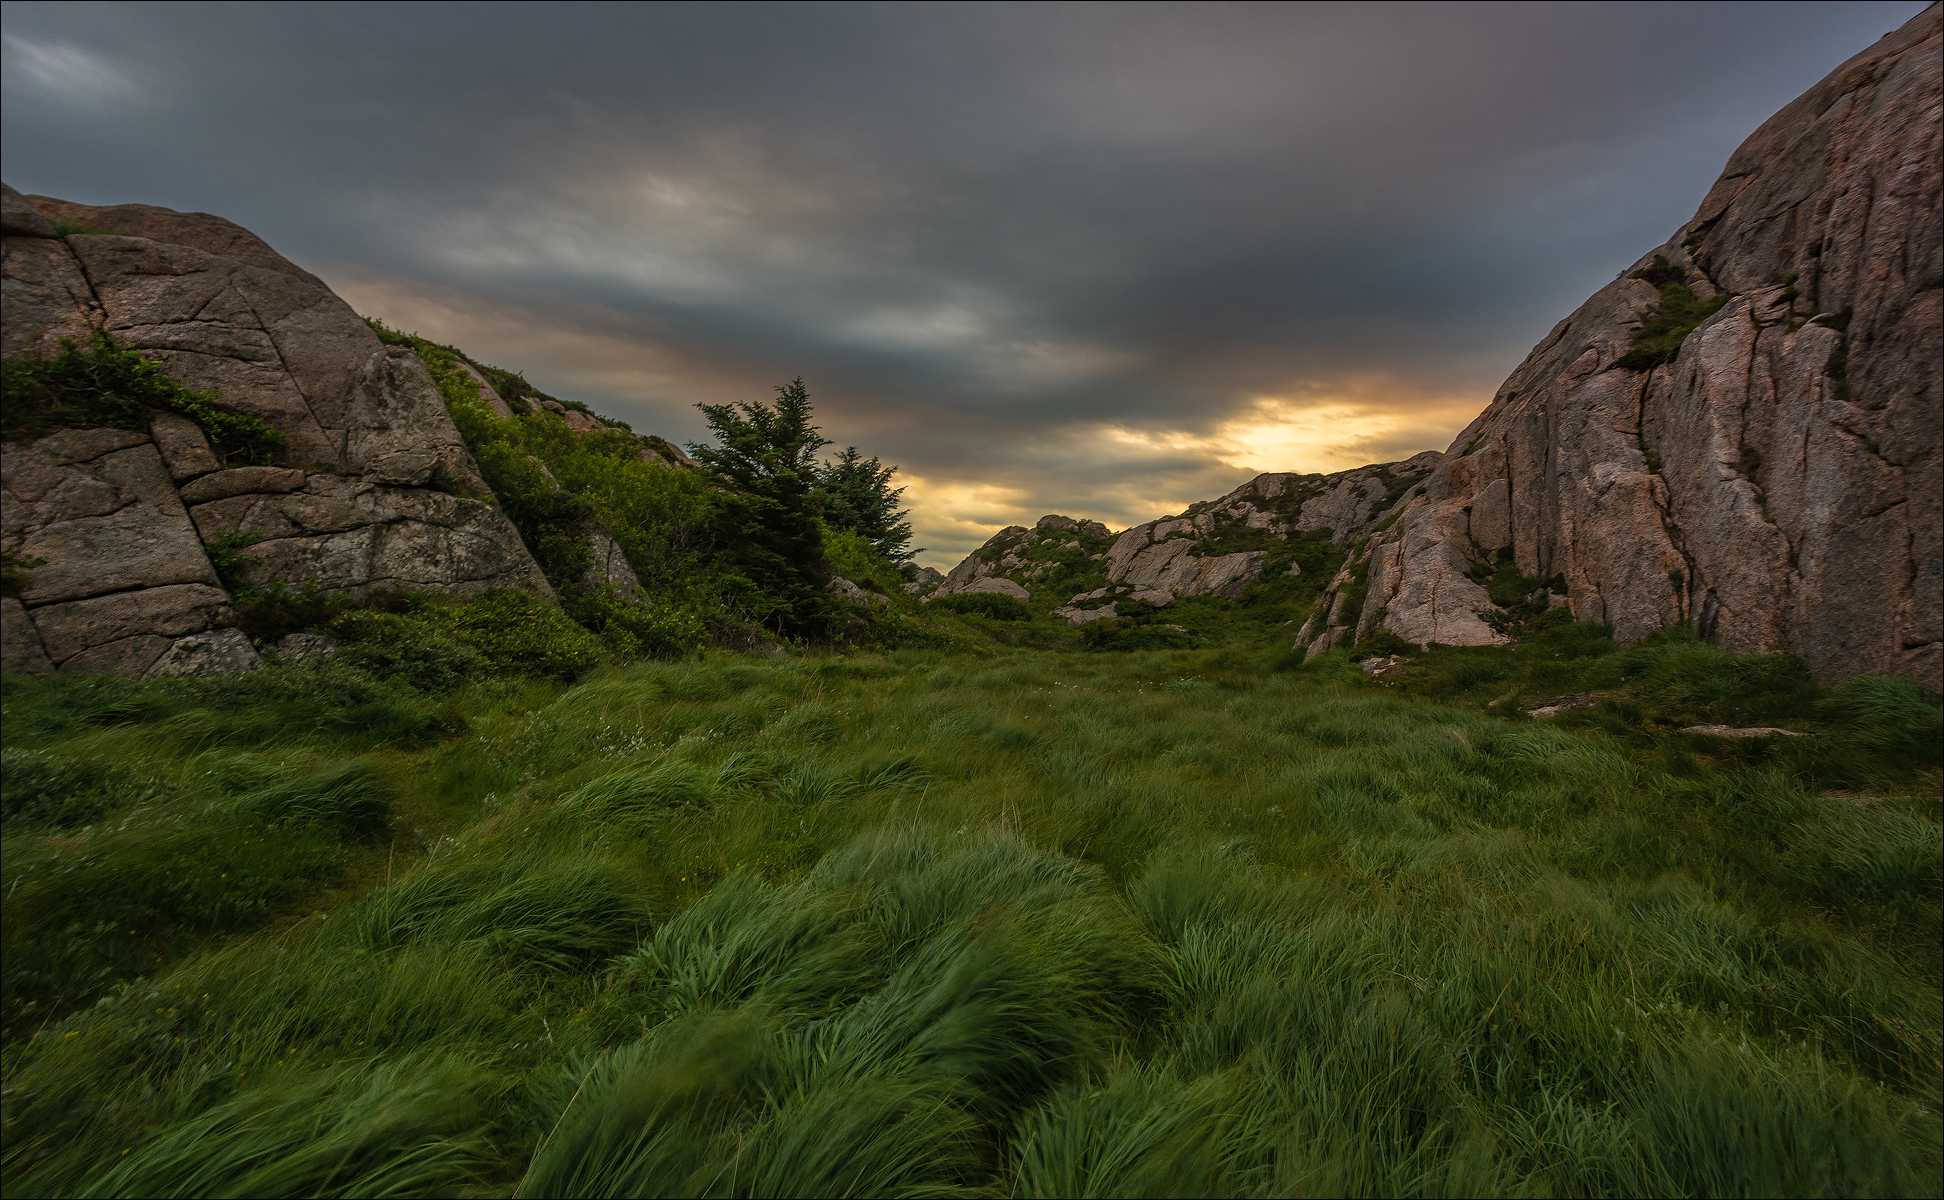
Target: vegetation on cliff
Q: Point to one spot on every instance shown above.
(1680, 313)
(724, 554)
(102, 385)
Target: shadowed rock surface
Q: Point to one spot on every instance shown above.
(1777, 483)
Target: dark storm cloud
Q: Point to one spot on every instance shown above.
(1096, 258)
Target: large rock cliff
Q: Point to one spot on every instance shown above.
(375, 488)
(1777, 483)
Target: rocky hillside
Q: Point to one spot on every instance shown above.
(1216, 548)
(373, 487)
(1742, 431)
(125, 538)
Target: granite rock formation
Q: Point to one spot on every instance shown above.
(376, 489)
(1014, 557)
(924, 581)
(1778, 482)
(1216, 548)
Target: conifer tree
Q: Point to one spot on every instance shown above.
(859, 497)
(766, 528)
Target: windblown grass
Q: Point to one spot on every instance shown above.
(1171, 923)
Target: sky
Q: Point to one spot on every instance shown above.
(1102, 260)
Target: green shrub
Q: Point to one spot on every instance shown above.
(14, 572)
(276, 610)
(854, 557)
(438, 643)
(859, 499)
(767, 534)
(519, 633)
(1123, 635)
(1383, 643)
(996, 605)
(409, 648)
(641, 626)
(1681, 312)
(230, 564)
(104, 385)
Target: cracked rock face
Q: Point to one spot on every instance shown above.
(119, 519)
(1778, 483)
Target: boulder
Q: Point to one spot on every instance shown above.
(241, 481)
(207, 233)
(486, 391)
(222, 652)
(350, 535)
(1729, 731)
(1349, 506)
(172, 630)
(69, 629)
(607, 565)
(222, 311)
(44, 297)
(21, 652)
(575, 419)
(926, 579)
(129, 658)
(1083, 616)
(998, 584)
(101, 511)
(183, 446)
(297, 648)
(1054, 521)
(846, 590)
(19, 217)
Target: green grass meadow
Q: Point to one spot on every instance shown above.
(1006, 923)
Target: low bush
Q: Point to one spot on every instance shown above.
(1124, 634)
(103, 385)
(994, 605)
(1681, 312)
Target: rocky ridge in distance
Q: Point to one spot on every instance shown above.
(1215, 548)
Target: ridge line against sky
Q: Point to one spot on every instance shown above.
(1094, 259)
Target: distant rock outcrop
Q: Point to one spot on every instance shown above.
(924, 581)
(376, 489)
(1016, 556)
(1778, 482)
(1216, 548)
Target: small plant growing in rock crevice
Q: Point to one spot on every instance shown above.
(230, 564)
(1680, 313)
(13, 572)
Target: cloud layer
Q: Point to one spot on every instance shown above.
(1102, 260)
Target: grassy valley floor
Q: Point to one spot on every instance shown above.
(1015, 923)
